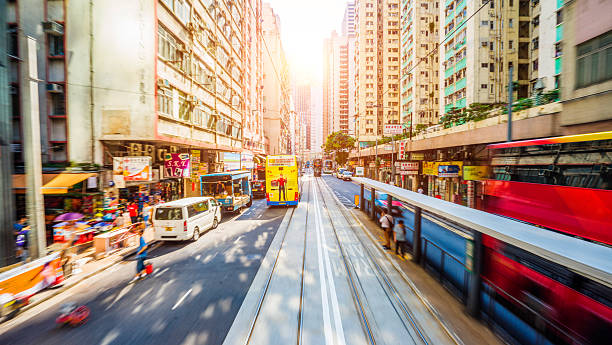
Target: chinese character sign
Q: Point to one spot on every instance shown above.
(392, 129)
(177, 165)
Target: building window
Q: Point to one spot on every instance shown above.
(594, 60)
(164, 101)
(510, 44)
(483, 86)
(535, 43)
(510, 23)
(535, 64)
(56, 45)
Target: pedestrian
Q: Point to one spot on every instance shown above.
(133, 209)
(420, 190)
(386, 222)
(141, 255)
(399, 233)
(146, 213)
(21, 238)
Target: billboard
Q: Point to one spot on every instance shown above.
(231, 161)
(392, 129)
(132, 168)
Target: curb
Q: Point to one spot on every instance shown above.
(120, 257)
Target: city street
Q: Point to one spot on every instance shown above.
(192, 297)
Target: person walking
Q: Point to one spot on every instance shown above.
(399, 234)
(21, 239)
(141, 255)
(133, 209)
(386, 222)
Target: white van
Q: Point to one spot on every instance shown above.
(185, 219)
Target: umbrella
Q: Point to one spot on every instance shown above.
(79, 225)
(68, 216)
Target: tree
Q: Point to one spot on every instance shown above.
(339, 144)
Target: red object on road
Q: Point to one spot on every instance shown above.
(149, 268)
(72, 315)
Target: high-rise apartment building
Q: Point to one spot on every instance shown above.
(419, 62)
(277, 100)
(377, 66)
(253, 132)
(348, 21)
(303, 109)
(546, 45)
(477, 54)
(338, 88)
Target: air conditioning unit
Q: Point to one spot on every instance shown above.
(55, 88)
(163, 83)
(53, 28)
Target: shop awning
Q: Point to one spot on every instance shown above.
(62, 182)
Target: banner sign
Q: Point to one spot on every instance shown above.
(364, 144)
(133, 168)
(359, 171)
(475, 173)
(448, 171)
(277, 161)
(409, 172)
(231, 161)
(177, 165)
(246, 161)
(402, 150)
(392, 129)
(433, 168)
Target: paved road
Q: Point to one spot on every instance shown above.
(192, 298)
(344, 190)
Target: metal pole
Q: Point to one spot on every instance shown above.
(510, 104)
(473, 300)
(373, 203)
(362, 198)
(416, 239)
(389, 203)
(393, 162)
(31, 148)
(376, 160)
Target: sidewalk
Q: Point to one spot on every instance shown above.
(448, 308)
(89, 268)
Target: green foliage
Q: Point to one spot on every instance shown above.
(339, 144)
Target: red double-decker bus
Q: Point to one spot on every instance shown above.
(561, 183)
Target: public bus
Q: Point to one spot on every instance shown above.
(561, 183)
(317, 167)
(231, 189)
(282, 185)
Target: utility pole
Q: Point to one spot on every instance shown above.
(31, 147)
(7, 240)
(510, 104)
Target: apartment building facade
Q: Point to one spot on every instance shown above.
(476, 55)
(304, 113)
(419, 63)
(277, 90)
(377, 75)
(253, 132)
(338, 88)
(546, 51)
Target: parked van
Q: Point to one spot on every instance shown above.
(185, 219)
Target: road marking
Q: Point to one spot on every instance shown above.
(337, 319)
(181, 299)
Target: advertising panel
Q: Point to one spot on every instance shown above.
(177, 165)
(231, 161)
(475, 172)
(132, 168)
(246, 161)
(448, 171)
(359, 171)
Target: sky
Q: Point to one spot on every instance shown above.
(304, 26)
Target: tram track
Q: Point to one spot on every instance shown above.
(400, 306)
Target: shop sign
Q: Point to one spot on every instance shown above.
(475, 172)
(246, 161)
(359, 171)
(430, 168)
(133, 168)
(448, 171)
(372, 165)
(278, 161)
(417, 156)
(177, 165)
(231, 161)
(402, 149)
(392, 129)
(409, 172)
(364, 144)
(409, 166)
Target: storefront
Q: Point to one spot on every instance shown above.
(443, 181)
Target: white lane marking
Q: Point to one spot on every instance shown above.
(324, 304)
(181, 299)
(334, 300)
